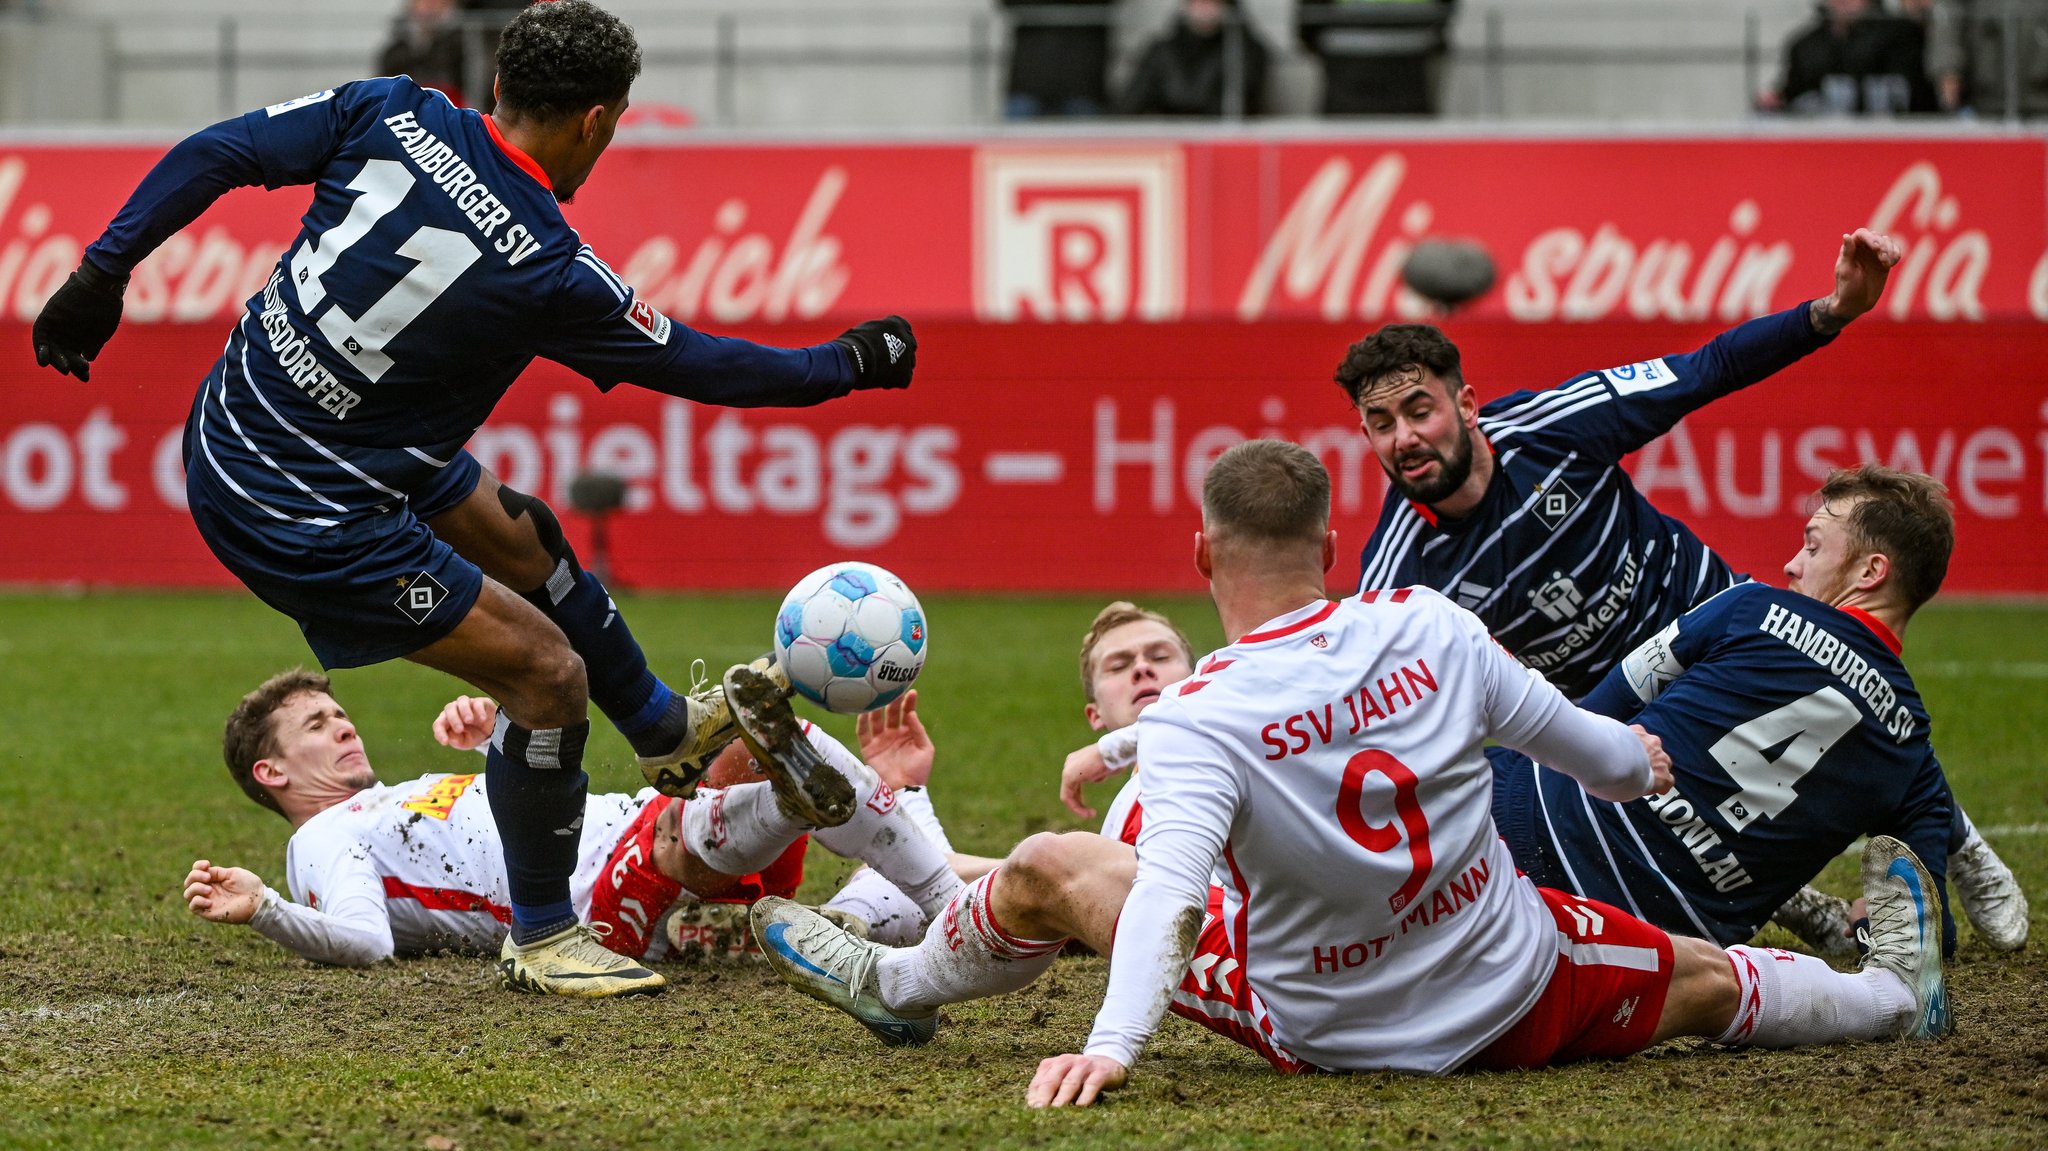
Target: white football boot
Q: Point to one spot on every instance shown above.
(833, 966)
(1991, 897)
(1904, 936)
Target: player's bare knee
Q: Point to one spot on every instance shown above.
(1043, 875)
(1704, 994)
(551, 690)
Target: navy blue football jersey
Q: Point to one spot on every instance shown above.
(1792, 728)
(432, 266)
(1568, 564)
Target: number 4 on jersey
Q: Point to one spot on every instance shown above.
(1800, 733)
(441, 255)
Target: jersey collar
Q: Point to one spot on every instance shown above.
(1300, 619)
(1876, 625)
(526, 163)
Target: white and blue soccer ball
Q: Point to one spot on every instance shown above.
(851, 636)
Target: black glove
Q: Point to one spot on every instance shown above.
(884, 352)
(78, 321)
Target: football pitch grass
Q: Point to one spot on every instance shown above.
(127, 1022)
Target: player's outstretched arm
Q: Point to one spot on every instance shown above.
(894, 742)
(1861, 269)
(1076, 1080)
(466, 722)
(223, 894)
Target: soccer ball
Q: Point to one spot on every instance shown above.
(851, 636)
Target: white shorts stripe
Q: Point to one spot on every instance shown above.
(1607, 955)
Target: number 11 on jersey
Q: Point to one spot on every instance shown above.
(440, 256)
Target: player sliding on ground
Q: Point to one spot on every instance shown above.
(324, 454)
(1754, 813)
(412, 868)
(1373, 918)
(1520, 510)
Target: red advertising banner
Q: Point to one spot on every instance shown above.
(1310, 228)
(1058, 457)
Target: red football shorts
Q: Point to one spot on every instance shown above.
(1604, 998)
(631, 894)
(1215, 993)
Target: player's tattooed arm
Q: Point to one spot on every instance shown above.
(1861, 268)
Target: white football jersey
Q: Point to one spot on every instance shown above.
(1120, 820)
(1331, 759)
(426, 854)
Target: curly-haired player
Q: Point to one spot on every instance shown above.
(324, 450)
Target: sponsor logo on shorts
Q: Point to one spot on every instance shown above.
(1627, 1010)
(419, 595)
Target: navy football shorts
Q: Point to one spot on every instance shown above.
(370, 591)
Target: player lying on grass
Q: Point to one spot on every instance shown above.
(1373, 917)
(1520, 510)
(1792, 725)
(1780, 760)
(324, 451)
(417, 867)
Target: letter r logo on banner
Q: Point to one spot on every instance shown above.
(1079, 235)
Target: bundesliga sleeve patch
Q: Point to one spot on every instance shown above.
(1647, 376)
(651, 323)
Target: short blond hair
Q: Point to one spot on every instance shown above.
(1115, 616)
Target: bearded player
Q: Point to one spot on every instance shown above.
(1520, 511)
(1330, 761)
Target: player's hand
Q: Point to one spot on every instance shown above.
(1861, 269)
(884, 352)
(78, 321)
(1075, 1080)
(1083, 766)
(894, 742)
(1660, 760)
(223, 894)
(466, 722)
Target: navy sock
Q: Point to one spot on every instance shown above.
(622, 686)
(536, 785)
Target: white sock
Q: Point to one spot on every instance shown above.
(739, 829)
(892, 917)
(885, 837)
(965, 955)
(916, 802)
(1793, 1000)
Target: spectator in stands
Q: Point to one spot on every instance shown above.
(426, 44)
(1210, 63)
(1854, 59)
(1380, 57)
(1967, 51)
(1059, 58)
